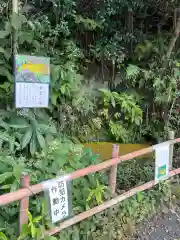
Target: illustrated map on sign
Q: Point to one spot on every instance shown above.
(32, 78)
(32, 69)
(161, 171)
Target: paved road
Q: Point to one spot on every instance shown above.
(161, 227)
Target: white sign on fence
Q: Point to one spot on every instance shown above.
(58, 199)
(161, 161)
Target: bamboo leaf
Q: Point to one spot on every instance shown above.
(26, 138)
(41, 140)
(33, 147)
(18, 123)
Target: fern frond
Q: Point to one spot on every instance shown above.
(132, 71)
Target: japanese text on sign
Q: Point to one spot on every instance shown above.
(58, 196)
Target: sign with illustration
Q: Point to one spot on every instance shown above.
(59, 198)
(32, 78)
(162, 161)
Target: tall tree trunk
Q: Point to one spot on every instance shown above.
(166, 62)
(171, 46)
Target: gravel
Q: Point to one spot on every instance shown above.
(162, 227)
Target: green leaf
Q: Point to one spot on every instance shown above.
(3, 34)
(54, 97)
(31, 24)
(132, 71)
(5, 72)
(8, 27)
(30, 217)
(113, 101)
(37, 219)
(33, 230)
(37, 45)
(55, 71)
(5, 176)
(17, 20)
(25, 232)
(26, 37)
(3, 236)
(139, 196)
(5, 86)
(5, 187)
(41, 140)
(26, 138)
(6, 53)
(92, 192)
(19, 122)
(63, 88)
(17, 169)
(50, 238)
(33, 147)
(14, 186)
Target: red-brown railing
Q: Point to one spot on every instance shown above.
(28, 190)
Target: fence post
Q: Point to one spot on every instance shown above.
(24, 203)
(171, 136)
(113, 170)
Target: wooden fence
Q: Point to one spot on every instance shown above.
(28, 190)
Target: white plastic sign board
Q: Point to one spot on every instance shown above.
(58, 200)
(161, 161)
(32, 78)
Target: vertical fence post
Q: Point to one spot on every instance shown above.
(15, 5)
(113, 170)
(171, 136)
(24, 203)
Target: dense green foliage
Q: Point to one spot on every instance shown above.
(115, 46)
(62, 155)
(115, 69)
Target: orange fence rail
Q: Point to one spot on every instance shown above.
(28, 190)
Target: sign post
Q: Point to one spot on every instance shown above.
(15, 38)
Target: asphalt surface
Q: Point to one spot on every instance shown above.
(162, 227)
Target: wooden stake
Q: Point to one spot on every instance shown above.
(24, 203)
(113, 170)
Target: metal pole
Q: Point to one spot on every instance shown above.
(15, 6)
(15, 37)
(24, 203)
